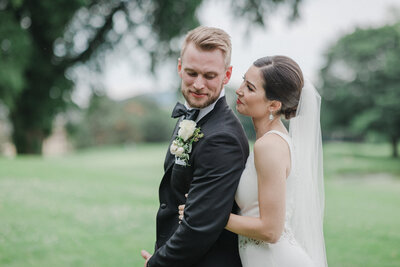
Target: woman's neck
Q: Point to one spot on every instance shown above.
(264, 125)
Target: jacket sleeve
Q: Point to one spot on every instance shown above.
(218, 164)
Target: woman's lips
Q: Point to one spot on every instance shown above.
(238, 101)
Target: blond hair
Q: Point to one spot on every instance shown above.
(208, 39)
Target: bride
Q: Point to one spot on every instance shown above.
(280, 193)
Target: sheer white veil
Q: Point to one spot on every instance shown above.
(308, 183)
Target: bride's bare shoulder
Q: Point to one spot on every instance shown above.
(271, 145)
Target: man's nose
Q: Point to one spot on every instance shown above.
(199, 82)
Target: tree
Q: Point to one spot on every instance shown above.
(361, 84)
(41, 40)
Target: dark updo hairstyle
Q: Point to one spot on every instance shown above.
(283, 81)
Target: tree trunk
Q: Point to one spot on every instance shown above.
(28, 131)
(28, 141)
(395, 153)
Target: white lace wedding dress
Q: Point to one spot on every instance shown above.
(255, 253)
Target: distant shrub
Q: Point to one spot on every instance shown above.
(107, 122)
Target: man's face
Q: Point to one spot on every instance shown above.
(203, 75)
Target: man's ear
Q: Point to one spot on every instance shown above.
(179, 67)
(228, 74)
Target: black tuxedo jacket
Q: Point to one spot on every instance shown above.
(211, 179)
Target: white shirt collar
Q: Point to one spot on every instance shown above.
(208, 109)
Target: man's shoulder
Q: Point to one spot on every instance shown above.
(229, 124)
(226, 127)
(223, 119)
(226, 130)
(223, 125)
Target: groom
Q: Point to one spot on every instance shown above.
(211, 174)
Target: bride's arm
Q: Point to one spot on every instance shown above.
(272, 162)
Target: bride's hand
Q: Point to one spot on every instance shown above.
(181, 209)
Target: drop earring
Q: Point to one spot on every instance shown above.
(271, 117)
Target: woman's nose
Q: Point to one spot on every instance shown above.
(239, 91)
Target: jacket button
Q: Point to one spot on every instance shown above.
(163, 205)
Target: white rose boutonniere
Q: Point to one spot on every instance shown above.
(186, 129)
(187, 134)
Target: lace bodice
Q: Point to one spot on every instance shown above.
(247, 193)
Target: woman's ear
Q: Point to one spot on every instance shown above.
(275, 106)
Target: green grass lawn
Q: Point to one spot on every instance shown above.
(97, 207)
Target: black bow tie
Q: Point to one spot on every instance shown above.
(180, 110)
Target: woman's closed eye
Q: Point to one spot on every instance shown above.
(247, 84)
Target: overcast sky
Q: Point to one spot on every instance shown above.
(321, 23)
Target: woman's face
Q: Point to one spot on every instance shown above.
(251, 99)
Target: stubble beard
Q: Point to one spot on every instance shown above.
(186, 95)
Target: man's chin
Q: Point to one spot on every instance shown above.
(197, 103)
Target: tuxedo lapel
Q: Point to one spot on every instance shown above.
(170, 159)
(221, 103)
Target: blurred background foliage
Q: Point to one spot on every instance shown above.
(361, 86)
(109, 122)
(42, 40)
(359, 82)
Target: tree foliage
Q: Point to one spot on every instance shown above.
(361, 84)
(108, 122)
(41, 40)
